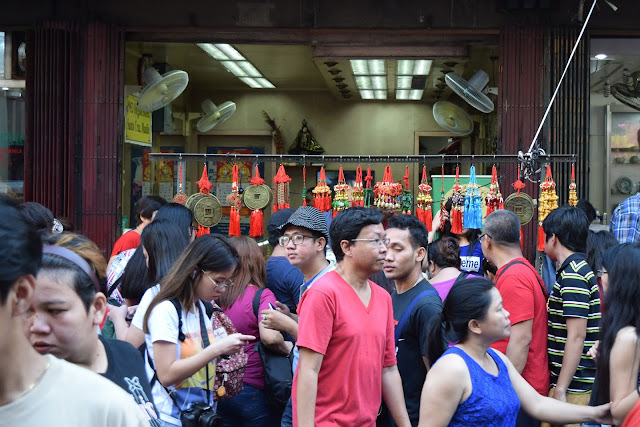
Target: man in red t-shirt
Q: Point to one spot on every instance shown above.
(346, 334)
(523, 296)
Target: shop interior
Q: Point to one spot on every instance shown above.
(311, 84)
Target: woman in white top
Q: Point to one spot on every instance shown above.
(182, 366)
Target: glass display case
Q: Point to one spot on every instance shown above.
(622, 154)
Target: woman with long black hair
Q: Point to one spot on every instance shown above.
(471, 384)
(178, 355)
(618, 362)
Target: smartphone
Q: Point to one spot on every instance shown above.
(271, 306)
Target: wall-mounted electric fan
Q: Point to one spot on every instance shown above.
(471, 91)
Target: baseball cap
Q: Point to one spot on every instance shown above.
(310, 218)
(278, 218)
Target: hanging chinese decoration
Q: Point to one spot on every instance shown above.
(357, 193)
(521, 205)
(424, 201)
(304, 185)
(494, 199)
(407, 197)
(387, 192)
(341, 197)
(256, 197)
(548, 201)
(206, 208)
(235, 202)
(472, 202)
(457, 205)
(281, 181)
(368, 190)
(322, 193)
(573, 194)
(442, 200)
(180, 197)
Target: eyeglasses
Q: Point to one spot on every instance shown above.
(216, 284)
(297, 239)
(602, 272)
(377, 241)
(480, 237)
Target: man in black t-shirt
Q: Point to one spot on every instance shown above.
(415, 303)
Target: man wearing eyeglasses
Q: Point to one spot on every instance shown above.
(345, 335)
(524, 296)
(304, 238)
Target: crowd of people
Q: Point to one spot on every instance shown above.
(380, 322)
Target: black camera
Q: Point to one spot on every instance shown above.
(200, 415)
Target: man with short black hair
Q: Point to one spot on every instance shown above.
(283, 278)
(347, 352)
(303, 236)
(524, 296)
(37, 390)
(415, 304)
(573, 306)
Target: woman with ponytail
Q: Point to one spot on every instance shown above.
(472, 384)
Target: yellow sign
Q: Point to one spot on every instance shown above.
(137, 123)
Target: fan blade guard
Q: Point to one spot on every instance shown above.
(214, 115)
(161, 90)
(452, 118)
(471, 94)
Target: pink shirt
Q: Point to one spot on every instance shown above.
(241, 314)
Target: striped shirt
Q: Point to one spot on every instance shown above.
(575, 294)
(625, 221)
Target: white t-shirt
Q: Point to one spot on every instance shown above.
(72, 396)
(163, 326)
(143, 306)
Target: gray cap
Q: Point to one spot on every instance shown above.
(310, 218)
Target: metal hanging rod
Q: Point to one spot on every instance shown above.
(352, 158)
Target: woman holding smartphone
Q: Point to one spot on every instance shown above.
(178, 356)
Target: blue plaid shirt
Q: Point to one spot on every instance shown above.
(625, 221)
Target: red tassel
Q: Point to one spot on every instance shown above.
(202, 231)
(428, 219)
(541, 238)
(420, 213)
(456, 221)
(256, 223)
(521, 239)
(234, 222)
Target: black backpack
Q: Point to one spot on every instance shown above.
(278, 375)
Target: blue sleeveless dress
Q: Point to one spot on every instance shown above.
(493, 400)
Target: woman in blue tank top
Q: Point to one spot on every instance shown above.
(474, 385)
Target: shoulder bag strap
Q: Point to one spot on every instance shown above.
(506, 267)
(114, 286)
(405, 315)
(256, 301)
(205, 343)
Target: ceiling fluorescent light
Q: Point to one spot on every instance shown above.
(405, 67)
(402, 94)
(363, 82)
(366, 94)
(601, 56)
(234, 68)
(380, 94)
(265, 84)
(376, 67)
(359, 67)
(213, 51)
(249, 69)
(230, 51)
(379, 82)
(403, 82)
(251, 82)
(421, 67)
(415, 94)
